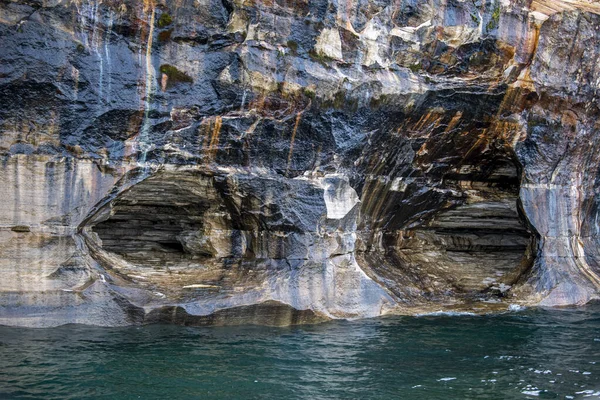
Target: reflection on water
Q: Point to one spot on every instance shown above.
(530, 354)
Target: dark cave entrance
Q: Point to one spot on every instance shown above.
(475, 242)
(483, 243)
(164, 220)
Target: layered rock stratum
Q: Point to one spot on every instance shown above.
(290, 161)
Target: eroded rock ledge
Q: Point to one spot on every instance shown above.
(222, 162)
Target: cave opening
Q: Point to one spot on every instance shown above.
(474, 243)
(190, 220)
(484, 243)
(163, 221)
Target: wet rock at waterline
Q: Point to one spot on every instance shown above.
(287, 162)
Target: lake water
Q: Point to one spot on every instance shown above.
(527, 354)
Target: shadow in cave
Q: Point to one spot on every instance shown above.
(164, 222)
(475, 244)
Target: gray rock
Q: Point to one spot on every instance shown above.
(222, 162)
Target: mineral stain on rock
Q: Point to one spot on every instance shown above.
(212, 163)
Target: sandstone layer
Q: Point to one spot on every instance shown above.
(291, 161)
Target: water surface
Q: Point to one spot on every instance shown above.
(528, 354)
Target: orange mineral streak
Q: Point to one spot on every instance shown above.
(213, 147)
(534, 42)
(149, 5)
(428, 121)
(510, 132)
(163, 82)
(454, 121)
(289, 160)
(482, 140)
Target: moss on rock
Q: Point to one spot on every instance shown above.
(164, 20)
(175, 76)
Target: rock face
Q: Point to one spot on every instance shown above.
(280, 162)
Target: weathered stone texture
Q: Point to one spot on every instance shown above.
(289, 161)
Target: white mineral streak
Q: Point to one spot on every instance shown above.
(329, 44)
(340, 290)
(370, 35)
(553, 210)
(50, 197)
(150, 90)
(46, 191)
(340, 198)
(200, 286)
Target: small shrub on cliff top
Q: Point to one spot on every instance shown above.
(164, 20)
(309, 92)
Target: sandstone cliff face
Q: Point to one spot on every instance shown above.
(289, 161)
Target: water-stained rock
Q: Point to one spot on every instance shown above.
(216, 162)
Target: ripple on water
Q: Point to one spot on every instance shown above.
(530, 354)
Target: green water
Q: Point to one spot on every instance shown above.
(527, 354)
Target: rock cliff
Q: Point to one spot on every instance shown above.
(290, 161)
